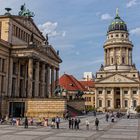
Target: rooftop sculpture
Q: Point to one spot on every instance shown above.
(25, 12)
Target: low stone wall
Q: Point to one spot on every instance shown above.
(45, 108)
(77, 104)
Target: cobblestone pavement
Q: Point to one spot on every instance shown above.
(123, 129)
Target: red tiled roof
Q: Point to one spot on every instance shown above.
(90, 84)
(70, 83)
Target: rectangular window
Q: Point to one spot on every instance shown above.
(14, 68)
(134, 103)
(13, 87)
(134, 92)
(100, 103)
(108, 92)
(125, 103)
(108, 103)
(100, 92)
(125, 92)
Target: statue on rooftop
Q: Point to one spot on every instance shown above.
(25, 12)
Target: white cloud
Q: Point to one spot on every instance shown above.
(135, 31)
(106, 16)
(131, 3)
(50, 28)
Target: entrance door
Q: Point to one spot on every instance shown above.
(16, 109)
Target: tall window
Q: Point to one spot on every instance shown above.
(125, 103)
(135, 103)
(13, 87)
(100, 103)
(108, 103)
(112, 60)
(123, 60)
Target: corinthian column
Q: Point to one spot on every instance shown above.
(52, 81)
(43, 80)
(121, 97)
(104, 98)
(112, 93)
(47, 94)
(30, 77)
(57, 78)
(10, 77)
(37, 79)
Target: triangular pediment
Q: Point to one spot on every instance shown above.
(117, 78)
(50, 52)
(29, 24)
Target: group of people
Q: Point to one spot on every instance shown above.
(112, 116)
(74, 123)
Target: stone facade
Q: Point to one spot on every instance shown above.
(29, 65)
(117, 82)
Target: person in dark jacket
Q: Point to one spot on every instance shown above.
(72, 123)
(26, 122)
(70, 120)
(97, 124)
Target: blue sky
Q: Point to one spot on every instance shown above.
(77, 28)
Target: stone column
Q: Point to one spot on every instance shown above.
(138, 93)
(105, 56)
(43, 80)
(30, 77)
(96, 98)
(120, 55)
(57, 77)
(114, 57)
(112, 101)
(121, 97)
(52, 81)
(130, 97)
(36, 79)
(10, 77)
(47, 94)
(18, 80)
(104, 98)
(127, 57)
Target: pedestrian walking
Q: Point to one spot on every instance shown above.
(75, 123)
(112, 117)
(87, 124)
(26, 122)
(53, 123)
(107, 116)
(57, 122)
(70, 123)
(97, 123)
(78, 123)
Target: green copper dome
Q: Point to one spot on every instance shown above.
(117, 24)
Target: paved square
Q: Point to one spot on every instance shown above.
(122, 129)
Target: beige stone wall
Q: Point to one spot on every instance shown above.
(45, 108)
(91, 97)
(77, 104)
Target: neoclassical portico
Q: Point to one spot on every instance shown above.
(117, 82)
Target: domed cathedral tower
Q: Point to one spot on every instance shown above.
(117, 81)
